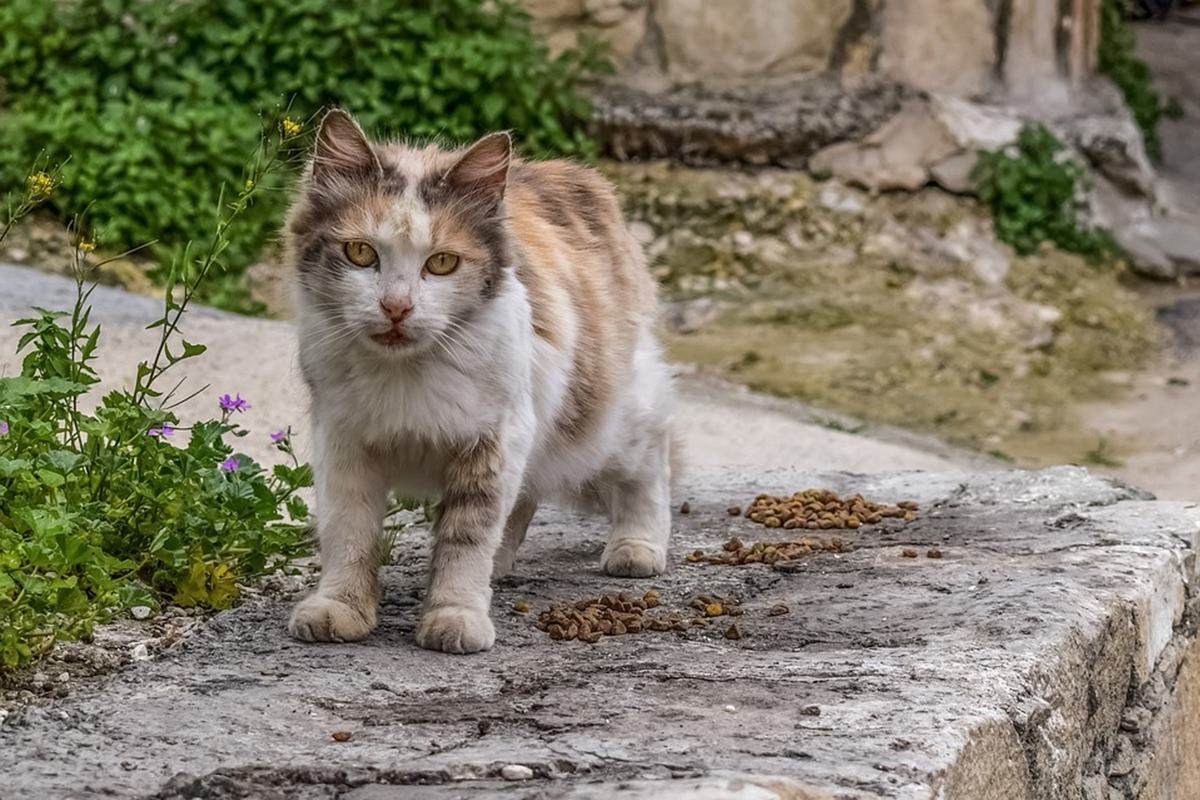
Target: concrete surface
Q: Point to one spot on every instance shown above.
(1041, 657)
(721, 424)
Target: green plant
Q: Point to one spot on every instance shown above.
(156, 98)
(1034, 192)
(102, 510)
(1119, 62)
(1102, 455)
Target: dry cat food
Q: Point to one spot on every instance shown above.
(820, 509)
(616, 614)
(613, 614)
(735, 552)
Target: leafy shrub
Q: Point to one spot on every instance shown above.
(1033, 190)
(1119, 62)
(103, 510)
(157, 99)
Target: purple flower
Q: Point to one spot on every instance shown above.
(235, 403)
(165, 431)
(279, 436)
(229, 464)
(3, 428)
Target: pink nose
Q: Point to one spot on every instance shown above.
(395, 308)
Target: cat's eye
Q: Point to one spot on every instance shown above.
(442, 263)
(361, 254)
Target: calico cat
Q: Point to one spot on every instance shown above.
(480, 328)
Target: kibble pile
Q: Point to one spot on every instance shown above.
(617, 615)
(735, 552)
(820, 509)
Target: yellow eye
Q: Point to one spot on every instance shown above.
(361, 254)
(442, 263)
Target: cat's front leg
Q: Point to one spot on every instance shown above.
(480, 487)
(351, 501)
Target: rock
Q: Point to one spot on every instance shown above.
(516, 772)
(954, 173)
(688, 316)
(704, 40)
(140, 612)
(140, 652)
(968, 242)
(1179, 238)
(1113, 144)
(755, 124)
(897, 156)
(974, 126)
(939, 46)
(842, 199)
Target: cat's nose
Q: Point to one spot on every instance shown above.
(395, 308)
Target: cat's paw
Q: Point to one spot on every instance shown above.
(629, 558)
(456, 629)
(503, 563)
(323, 619)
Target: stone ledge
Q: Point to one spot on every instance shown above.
(760, 124)
(1041, 657)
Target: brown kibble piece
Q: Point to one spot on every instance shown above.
(933, 552)
(342, 736)
(713, 610)
(734, 511)
(778, 609)
(732, 632)
(908, 552)
(521, 607)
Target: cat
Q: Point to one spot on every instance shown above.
(481, 328)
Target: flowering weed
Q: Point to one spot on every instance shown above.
(106, 510)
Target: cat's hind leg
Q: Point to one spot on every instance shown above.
(514, 534)
(639, 502)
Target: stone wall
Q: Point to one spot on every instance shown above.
(959, 47)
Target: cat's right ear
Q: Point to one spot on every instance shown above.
(342, 149)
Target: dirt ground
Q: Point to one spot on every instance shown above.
(1153, 434)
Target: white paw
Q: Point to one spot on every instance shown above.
(629, 558)
(322, 619)
(455, 629)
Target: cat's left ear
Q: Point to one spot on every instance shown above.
(482, 172)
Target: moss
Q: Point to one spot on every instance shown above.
(818, 315)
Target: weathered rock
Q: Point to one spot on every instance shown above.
(1113, 144)
(954, 174)
(896, 156)
(939, 46)
(1002, 670)
(722, 42)
(758, 125)
(686, 316)
(930, 138)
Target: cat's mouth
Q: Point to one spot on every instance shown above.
(391, 338)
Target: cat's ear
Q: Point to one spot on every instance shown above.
(342, 149)
(482, 171)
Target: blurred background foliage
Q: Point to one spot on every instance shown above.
(156, 102)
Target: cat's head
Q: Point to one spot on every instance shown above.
(397, 247)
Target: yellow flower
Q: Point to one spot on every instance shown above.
(249, 187)
(86, 245)
(40, 185)
(290, 127)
